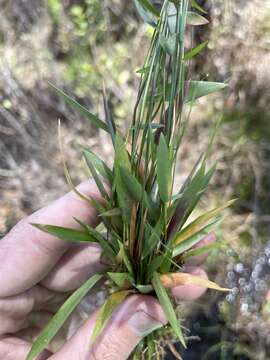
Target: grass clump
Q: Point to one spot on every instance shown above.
(147, 240)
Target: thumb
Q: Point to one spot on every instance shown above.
(137, 317)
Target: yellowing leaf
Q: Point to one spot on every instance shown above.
(197, 224)
(106, 311)
(175, 279)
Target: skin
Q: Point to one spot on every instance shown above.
(38, 271)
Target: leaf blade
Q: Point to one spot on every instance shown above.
(163, 169)
(199, 89)
(99, 164)
(175, 279)
(147, 5)
(195, 5)
(107, 310)
(81, 109)
(147, 16)
(167, 307)
(198, 223)
(195, 51)
(67, 234)
(195, 19)
(48, 333)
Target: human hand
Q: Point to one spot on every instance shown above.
(39, 270)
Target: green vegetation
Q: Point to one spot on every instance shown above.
(147, 238)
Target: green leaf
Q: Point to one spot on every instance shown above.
(57, 321)
(146, 15)
(124, 256)
(81, 109)
(106, 247)
(99, 164)
(96, 178)
(144, 289)
(148, 5)
(66, 234)
(195, 5)
(143, 70)
(168, 43)
(195, 19)
(195, 51)
(100, 210)
(137, 192)
(111, 213)
(120, 279)
(152, 240)
(106, 311)
(108, 115)
(151, 347)
(164, 179)
(122, 160)
(167, 261)
(172, 16)
(198, 89)
(154, 266)
(167, 307)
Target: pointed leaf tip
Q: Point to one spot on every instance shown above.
(81, 109)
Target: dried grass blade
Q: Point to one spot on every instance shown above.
(175, 279)
(197, 224)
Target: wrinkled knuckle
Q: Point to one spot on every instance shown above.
(109, 348)
(10, 326)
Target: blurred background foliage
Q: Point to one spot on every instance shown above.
(78, 45)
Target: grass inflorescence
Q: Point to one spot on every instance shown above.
(146, 240)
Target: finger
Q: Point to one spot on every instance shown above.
(31, 334)
(27, 254)
(74, 268)
(190, 292)
(206, 241)
(14, 310)
(138, 316)
(17, 349)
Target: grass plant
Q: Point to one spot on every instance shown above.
(145, 238)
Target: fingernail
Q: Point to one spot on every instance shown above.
(143, 324)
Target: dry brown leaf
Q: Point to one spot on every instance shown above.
(175, 279)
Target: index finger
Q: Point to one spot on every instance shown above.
(27, 254)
